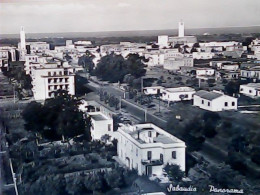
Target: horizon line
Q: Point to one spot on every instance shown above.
(132, 30)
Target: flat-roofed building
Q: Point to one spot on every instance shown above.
(155, 90)
(177, 94)
(251, 73)
(101, 124)
(50, 77)
(250, 89)
(148, 148)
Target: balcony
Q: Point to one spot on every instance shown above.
(153, 162)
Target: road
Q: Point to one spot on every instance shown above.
(209, 151)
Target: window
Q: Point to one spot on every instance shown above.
(208, 103)
(226, 104)
(174, 154)
(202, 101)
(149, 134)
(161, 157)
(109, 127)
(136, 152)
(233, 103)
(250, 91)
(149, 155)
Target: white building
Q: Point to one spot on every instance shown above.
(163, 41)
(177, 94)
(156, 90)
(251, 73)
(30, 61)
(219, 44)
(205, 72)
(229, 67)
(250, 89)
(148, 148)
(202, 55)
(175, 63)
(51, 77)
(214, 101)
(3, 58)
(101, 124)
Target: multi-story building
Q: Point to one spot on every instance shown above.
(51, 77)
(148, 148)
(214, 101)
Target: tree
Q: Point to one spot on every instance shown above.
(239, 143)
(34, 114)
(225, 177)
(232, 87)
(59, 116)
(95, 182)
(135, 65)
(86, 61)
(115, 178)
(111, 68)
(174, 172)
(114, 68)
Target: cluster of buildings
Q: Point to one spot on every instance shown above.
(208, 100)
(143, 147)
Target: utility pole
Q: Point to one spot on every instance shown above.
(120, 103)
(14, 93)
(159, 104)
(145, 115)
(142, 85)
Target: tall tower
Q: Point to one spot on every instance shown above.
(181, 29)
(22, 44)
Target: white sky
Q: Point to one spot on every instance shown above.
(41, 16)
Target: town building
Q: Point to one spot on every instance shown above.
(252, 73)
(177, 94)
(202, 55)
(214, 101)
(174, 64)
(101, 125)
(155, 90)
(164, 40)
(205, 72)
(51, 77)
(148, 148)
(250, 89)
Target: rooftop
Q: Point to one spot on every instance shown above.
(140, 134)
(254, 85)
(98, 116)
(179, 89)
(209, 95)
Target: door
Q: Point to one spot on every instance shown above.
(149, 170)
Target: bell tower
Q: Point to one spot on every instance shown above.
(181, 29)
(22, 44)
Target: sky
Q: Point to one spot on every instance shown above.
(50, 16)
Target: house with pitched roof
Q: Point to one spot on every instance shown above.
(214, 101)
